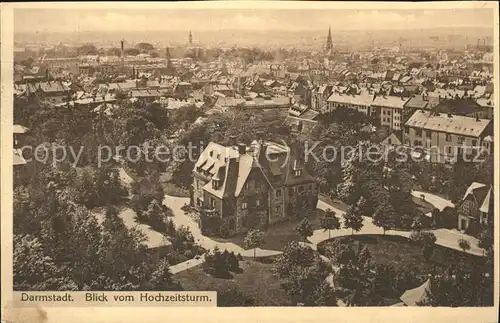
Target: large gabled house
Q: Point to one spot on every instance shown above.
(476, 206)
(248, 187)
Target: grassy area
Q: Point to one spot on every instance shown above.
(334, 202)
(256, 282)
(278, 235)
(174, 190)
(402, 253)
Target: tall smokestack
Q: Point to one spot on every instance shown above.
(478, 42)
(484, 42)
(122, 52)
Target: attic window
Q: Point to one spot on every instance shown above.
(215, 184)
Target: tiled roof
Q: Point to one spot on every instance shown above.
(364, 98)
(482, 193)
(416, 102)
(394, 102)
(460, 125)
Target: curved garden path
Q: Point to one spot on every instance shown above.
(444, 237)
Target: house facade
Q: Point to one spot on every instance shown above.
(446, 137)
(249, 187)
(476, 207)
(360, 102)
(390, 110)
(319, 97)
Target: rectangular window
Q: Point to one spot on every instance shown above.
(418, 132)
(460, 140)
(244, 205)
(448, 137)
(278, 209)
(278, 193)
(257, 202)
(212, 202)
(474, 143)
(428, 133)
(298, 172)
(449, 150)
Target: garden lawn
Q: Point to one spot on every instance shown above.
(256, 282)
(401, 253)
(278, 235)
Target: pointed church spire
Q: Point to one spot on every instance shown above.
(329, 42)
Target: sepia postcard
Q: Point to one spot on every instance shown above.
(260, 161)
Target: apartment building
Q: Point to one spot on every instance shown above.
(360, 102)
(446, 137)
(390, 110)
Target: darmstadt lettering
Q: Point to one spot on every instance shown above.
(66, 297)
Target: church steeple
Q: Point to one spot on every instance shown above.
(329, 43)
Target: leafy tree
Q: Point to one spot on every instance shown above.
(304, 284)
(33, 270)
(486, 239)
(161, 277)
(294, 255)
(460, 287)
(353, 219)
(304, 229)
(427, 240)
(330, 222)
(464, 245)
(384, 216)
(254, 239)
(340, 253)
(219, 264)
(155, 216)
(183, 239)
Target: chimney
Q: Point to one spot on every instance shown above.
(232, 140)
(242, 148)
(477, 117)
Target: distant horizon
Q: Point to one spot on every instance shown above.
(245, 30)
(196, 20)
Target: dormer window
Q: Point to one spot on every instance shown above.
(298, 172)
(215, 184)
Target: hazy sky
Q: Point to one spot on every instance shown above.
(68, 20)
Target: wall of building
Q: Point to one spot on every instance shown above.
(442, 145)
